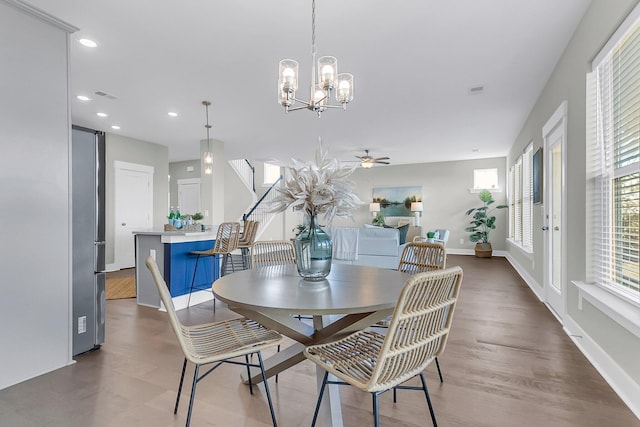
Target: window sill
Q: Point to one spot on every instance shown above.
(623, 312)
(493, 190)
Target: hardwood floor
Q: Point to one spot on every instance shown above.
(508, 363)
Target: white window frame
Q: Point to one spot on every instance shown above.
(602, 174)
(520, 199)
(477, 187)
(270, 174)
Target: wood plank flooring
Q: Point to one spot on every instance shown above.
(508, 363)
(121, 284)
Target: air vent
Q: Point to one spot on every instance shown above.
(476, 90)
(106, 95)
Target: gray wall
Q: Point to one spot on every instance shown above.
(178, 170)
(35, 274)
(445, 195)
(121, 148)
(568, 82)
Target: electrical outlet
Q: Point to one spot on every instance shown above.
(82, 324)
(462, 241)
(152, 254)
(206, 213)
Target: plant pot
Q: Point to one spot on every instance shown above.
(484, 250)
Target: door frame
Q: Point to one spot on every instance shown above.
(120, 166)
(558, 120)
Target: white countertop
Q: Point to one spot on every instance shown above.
(180, 236)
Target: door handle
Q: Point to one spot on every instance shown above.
(556, 228)
(545, 228)
(124, 224)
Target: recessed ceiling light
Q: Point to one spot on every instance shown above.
(87, 43)
(475, 150)
(116, 127)
(172, 114)
(102, 115)
(83, 98)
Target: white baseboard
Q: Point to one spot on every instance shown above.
(620, 382)
(528, 279)
(455, 251)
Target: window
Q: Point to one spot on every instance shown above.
(614, 162)
(520, 191)
(485, 179)
(271, 173)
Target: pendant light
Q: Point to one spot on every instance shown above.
(208, 155)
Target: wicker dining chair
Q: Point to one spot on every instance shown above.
(418, 331)
(226, 242)
(247, 239)
(418, 257)
(266, 253)
(422, 256)
(216, 343)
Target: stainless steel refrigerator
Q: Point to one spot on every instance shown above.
(88, 210)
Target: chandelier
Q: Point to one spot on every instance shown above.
(208, 155)
(326, 80)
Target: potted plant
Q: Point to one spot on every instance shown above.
(378, 220)
(482, 223)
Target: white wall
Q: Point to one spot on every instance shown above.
(35, 259)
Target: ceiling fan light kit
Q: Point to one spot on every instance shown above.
(367, 161)
(327, 80)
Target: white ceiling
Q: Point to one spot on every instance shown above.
(413, 61)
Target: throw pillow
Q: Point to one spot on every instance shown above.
(403, 233)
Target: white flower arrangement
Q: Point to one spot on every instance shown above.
(318, 188)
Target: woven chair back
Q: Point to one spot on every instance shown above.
(227, 237)
(272, 252)
(249, 233)
(165, 297)
(419, 327)
(420, 257)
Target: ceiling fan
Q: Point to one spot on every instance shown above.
(367, 161)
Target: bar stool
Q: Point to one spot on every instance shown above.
(226, 242)
(247, 240)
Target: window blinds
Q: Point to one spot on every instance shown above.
(615, 152)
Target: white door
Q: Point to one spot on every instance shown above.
(189, 195)
(133, 208)
(554, 134)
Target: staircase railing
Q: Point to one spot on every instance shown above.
(260, 211)
(246, 171)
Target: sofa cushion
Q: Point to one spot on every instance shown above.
(402, 233)
(378, 241)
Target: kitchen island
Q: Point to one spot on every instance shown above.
(172, 252)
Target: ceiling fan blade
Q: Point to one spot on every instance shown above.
(382, 163)
(381, 158)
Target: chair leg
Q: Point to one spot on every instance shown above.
(266, 389)
(193, 394)
(193, 279)
(184, 368)
(426, 393)
(315, 413)
(246, 358)
(439, 372)
(376, 411)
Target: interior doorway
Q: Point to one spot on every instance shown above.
(189, 195)
(554, 137)
(133, 208)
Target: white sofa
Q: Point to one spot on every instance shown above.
(373, 246)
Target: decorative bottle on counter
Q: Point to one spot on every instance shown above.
(177, 221)
(172, 216)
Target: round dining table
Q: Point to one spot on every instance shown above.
(351, 298)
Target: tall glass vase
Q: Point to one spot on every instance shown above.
(313, 251)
